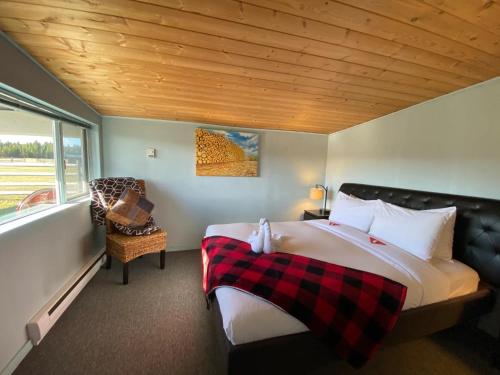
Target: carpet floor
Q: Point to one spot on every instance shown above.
(158, 324)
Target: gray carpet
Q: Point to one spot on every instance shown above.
(158, 324)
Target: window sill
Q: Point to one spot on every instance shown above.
(17, 223)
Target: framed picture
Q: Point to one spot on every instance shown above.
(226, 153)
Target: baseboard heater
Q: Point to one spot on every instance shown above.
(43, 321)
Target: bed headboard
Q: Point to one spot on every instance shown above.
(477, 229)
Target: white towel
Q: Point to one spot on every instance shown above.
(264, 240)
(268, 246)
(256, 239)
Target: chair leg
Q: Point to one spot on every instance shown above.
(108, 262)
(162, 259)
(125, 273)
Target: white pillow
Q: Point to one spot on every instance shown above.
(444, 248)
(353, 211)
(418, 232)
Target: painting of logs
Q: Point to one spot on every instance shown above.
(226, 153)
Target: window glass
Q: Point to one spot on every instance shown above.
(27, 167)
(75, 161)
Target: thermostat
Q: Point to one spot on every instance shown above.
(151, 152)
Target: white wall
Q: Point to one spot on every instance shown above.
(450, 144)
(38, 258)
(185, 204)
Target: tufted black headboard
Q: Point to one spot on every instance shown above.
(477, 229)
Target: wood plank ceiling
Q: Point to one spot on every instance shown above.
(307, 65)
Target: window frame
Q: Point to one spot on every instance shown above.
(85, 158)
(60, 183)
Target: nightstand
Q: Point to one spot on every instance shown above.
(316, 214)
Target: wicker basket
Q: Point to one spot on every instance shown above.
(126, 248)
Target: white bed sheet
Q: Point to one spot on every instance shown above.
(247, 318)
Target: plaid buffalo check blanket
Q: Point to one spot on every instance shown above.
(350, 310)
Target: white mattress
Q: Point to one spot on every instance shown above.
(248, 318)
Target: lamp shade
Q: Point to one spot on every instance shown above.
(315, 193)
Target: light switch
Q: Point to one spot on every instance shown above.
(151, 152)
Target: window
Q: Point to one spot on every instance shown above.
(43, 162)
(75, 161)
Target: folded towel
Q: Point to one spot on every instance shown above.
(268, 246)
(264, 240)
(256, 240)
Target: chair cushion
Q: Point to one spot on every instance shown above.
(130, 209)
(146, 229)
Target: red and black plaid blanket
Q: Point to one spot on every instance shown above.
(351, 310)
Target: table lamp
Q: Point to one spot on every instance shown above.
(318, 192)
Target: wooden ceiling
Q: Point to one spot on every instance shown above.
(308, 65)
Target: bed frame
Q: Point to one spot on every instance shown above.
(476, 243)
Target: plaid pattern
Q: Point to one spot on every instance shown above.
(351, 310)
(131, 209)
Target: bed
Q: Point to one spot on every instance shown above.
(440, 294)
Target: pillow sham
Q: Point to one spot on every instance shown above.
(353, 211)
(417, 232)
(444, 249)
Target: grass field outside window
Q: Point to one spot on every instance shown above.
(29, 179)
